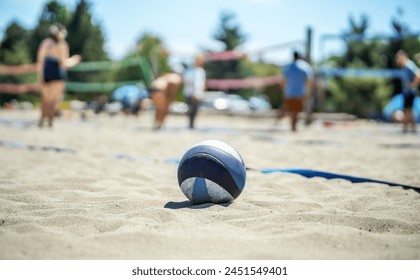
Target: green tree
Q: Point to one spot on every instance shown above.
(230, 35)
(84, 36)
(53, 12)
(360, 96)
(152, 48)
(359, 52)
(14, 46)
(14, 50)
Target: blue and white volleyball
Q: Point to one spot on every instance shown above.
(211, 171)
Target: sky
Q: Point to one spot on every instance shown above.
(187, 26)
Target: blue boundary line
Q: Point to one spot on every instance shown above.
(308, 173)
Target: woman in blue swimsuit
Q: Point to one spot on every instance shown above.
(52, 60)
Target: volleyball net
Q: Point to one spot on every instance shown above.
(143, 77)
(85, 78)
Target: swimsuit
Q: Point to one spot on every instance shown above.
(52, 70)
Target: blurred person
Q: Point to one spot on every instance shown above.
(133, 98)
(410, 79)
(194, 88)
(162, 92)
(52, 60)
(296, 84)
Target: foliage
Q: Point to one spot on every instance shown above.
(14, 51)
(86, 39)
(84, 36)
(363, 97)
(367, 97)
(229, 34)
(152, 48)
(53, 12)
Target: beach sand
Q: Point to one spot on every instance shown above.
(106, 188)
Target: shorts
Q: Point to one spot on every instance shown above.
(294, 104)
(52, 70)
(408, 101)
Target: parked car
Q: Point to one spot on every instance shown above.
(236, 104)
(231, 104)
(210, 98)
(259, 103)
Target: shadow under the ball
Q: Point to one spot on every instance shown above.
(187, 204)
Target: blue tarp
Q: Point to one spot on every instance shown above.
(361, 73)
(397, 104)
(129, 95)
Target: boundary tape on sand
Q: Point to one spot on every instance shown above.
(309, 173)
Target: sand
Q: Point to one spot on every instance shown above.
(106, 188)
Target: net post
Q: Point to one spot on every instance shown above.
(146, 71)
(308, 45)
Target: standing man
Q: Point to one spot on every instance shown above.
(410, 79)
(296, 84)
(194, 88)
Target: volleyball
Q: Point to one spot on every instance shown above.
(211, 172)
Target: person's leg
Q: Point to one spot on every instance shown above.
(294, 106)
(192, 111)
(47, 101)
(158, 98)
(412, 120)
(293, 119)
(43, 109)
(280, 113)
(169, 97)
(408, 113)
(55, 96)
(309, 104)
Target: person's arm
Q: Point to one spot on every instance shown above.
(416, 81)
(66, 60)
(40, 61)
(309, 86)
(282, 82)
(309, 80)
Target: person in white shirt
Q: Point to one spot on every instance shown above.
(194, 88)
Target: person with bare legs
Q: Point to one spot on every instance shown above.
(163, 92)
(52, 60)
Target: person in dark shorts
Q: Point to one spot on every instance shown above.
(410, 79)
(52, 60)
